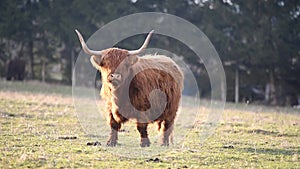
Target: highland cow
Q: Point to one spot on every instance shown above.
(145, 89)
(15, 70)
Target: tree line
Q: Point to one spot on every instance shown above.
(257, 41)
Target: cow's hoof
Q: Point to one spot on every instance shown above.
(111, 143)
(145, 142)
(165, 143)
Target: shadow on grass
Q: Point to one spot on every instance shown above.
(35, 87)
(272, 133)
(272, 151)
(264, 132)
(14, 115)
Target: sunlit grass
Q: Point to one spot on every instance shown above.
(35, 127)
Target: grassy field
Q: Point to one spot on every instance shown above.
(39, 127)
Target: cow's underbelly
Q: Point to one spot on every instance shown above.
(141, 111)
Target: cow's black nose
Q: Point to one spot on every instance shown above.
(115, 76)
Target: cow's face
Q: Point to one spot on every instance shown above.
(115, 66)
(113, 63)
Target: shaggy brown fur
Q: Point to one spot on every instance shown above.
(142, 77)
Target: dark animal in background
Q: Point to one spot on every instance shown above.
(125, 74)
(15, 70)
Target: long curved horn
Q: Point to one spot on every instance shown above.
(135, 52)
(85, 48)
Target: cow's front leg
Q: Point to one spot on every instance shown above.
(115, 127)
(142, 128)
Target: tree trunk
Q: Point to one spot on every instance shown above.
(67, 63)
(20, 55)
(31, 60)
(72, 67)
(267, 93)
(43, 70)
(236, 98)
(273, 100)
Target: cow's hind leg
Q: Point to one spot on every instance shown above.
(167, 131)
(142, 128)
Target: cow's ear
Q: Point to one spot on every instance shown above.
(133, 59)
(94, 60)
